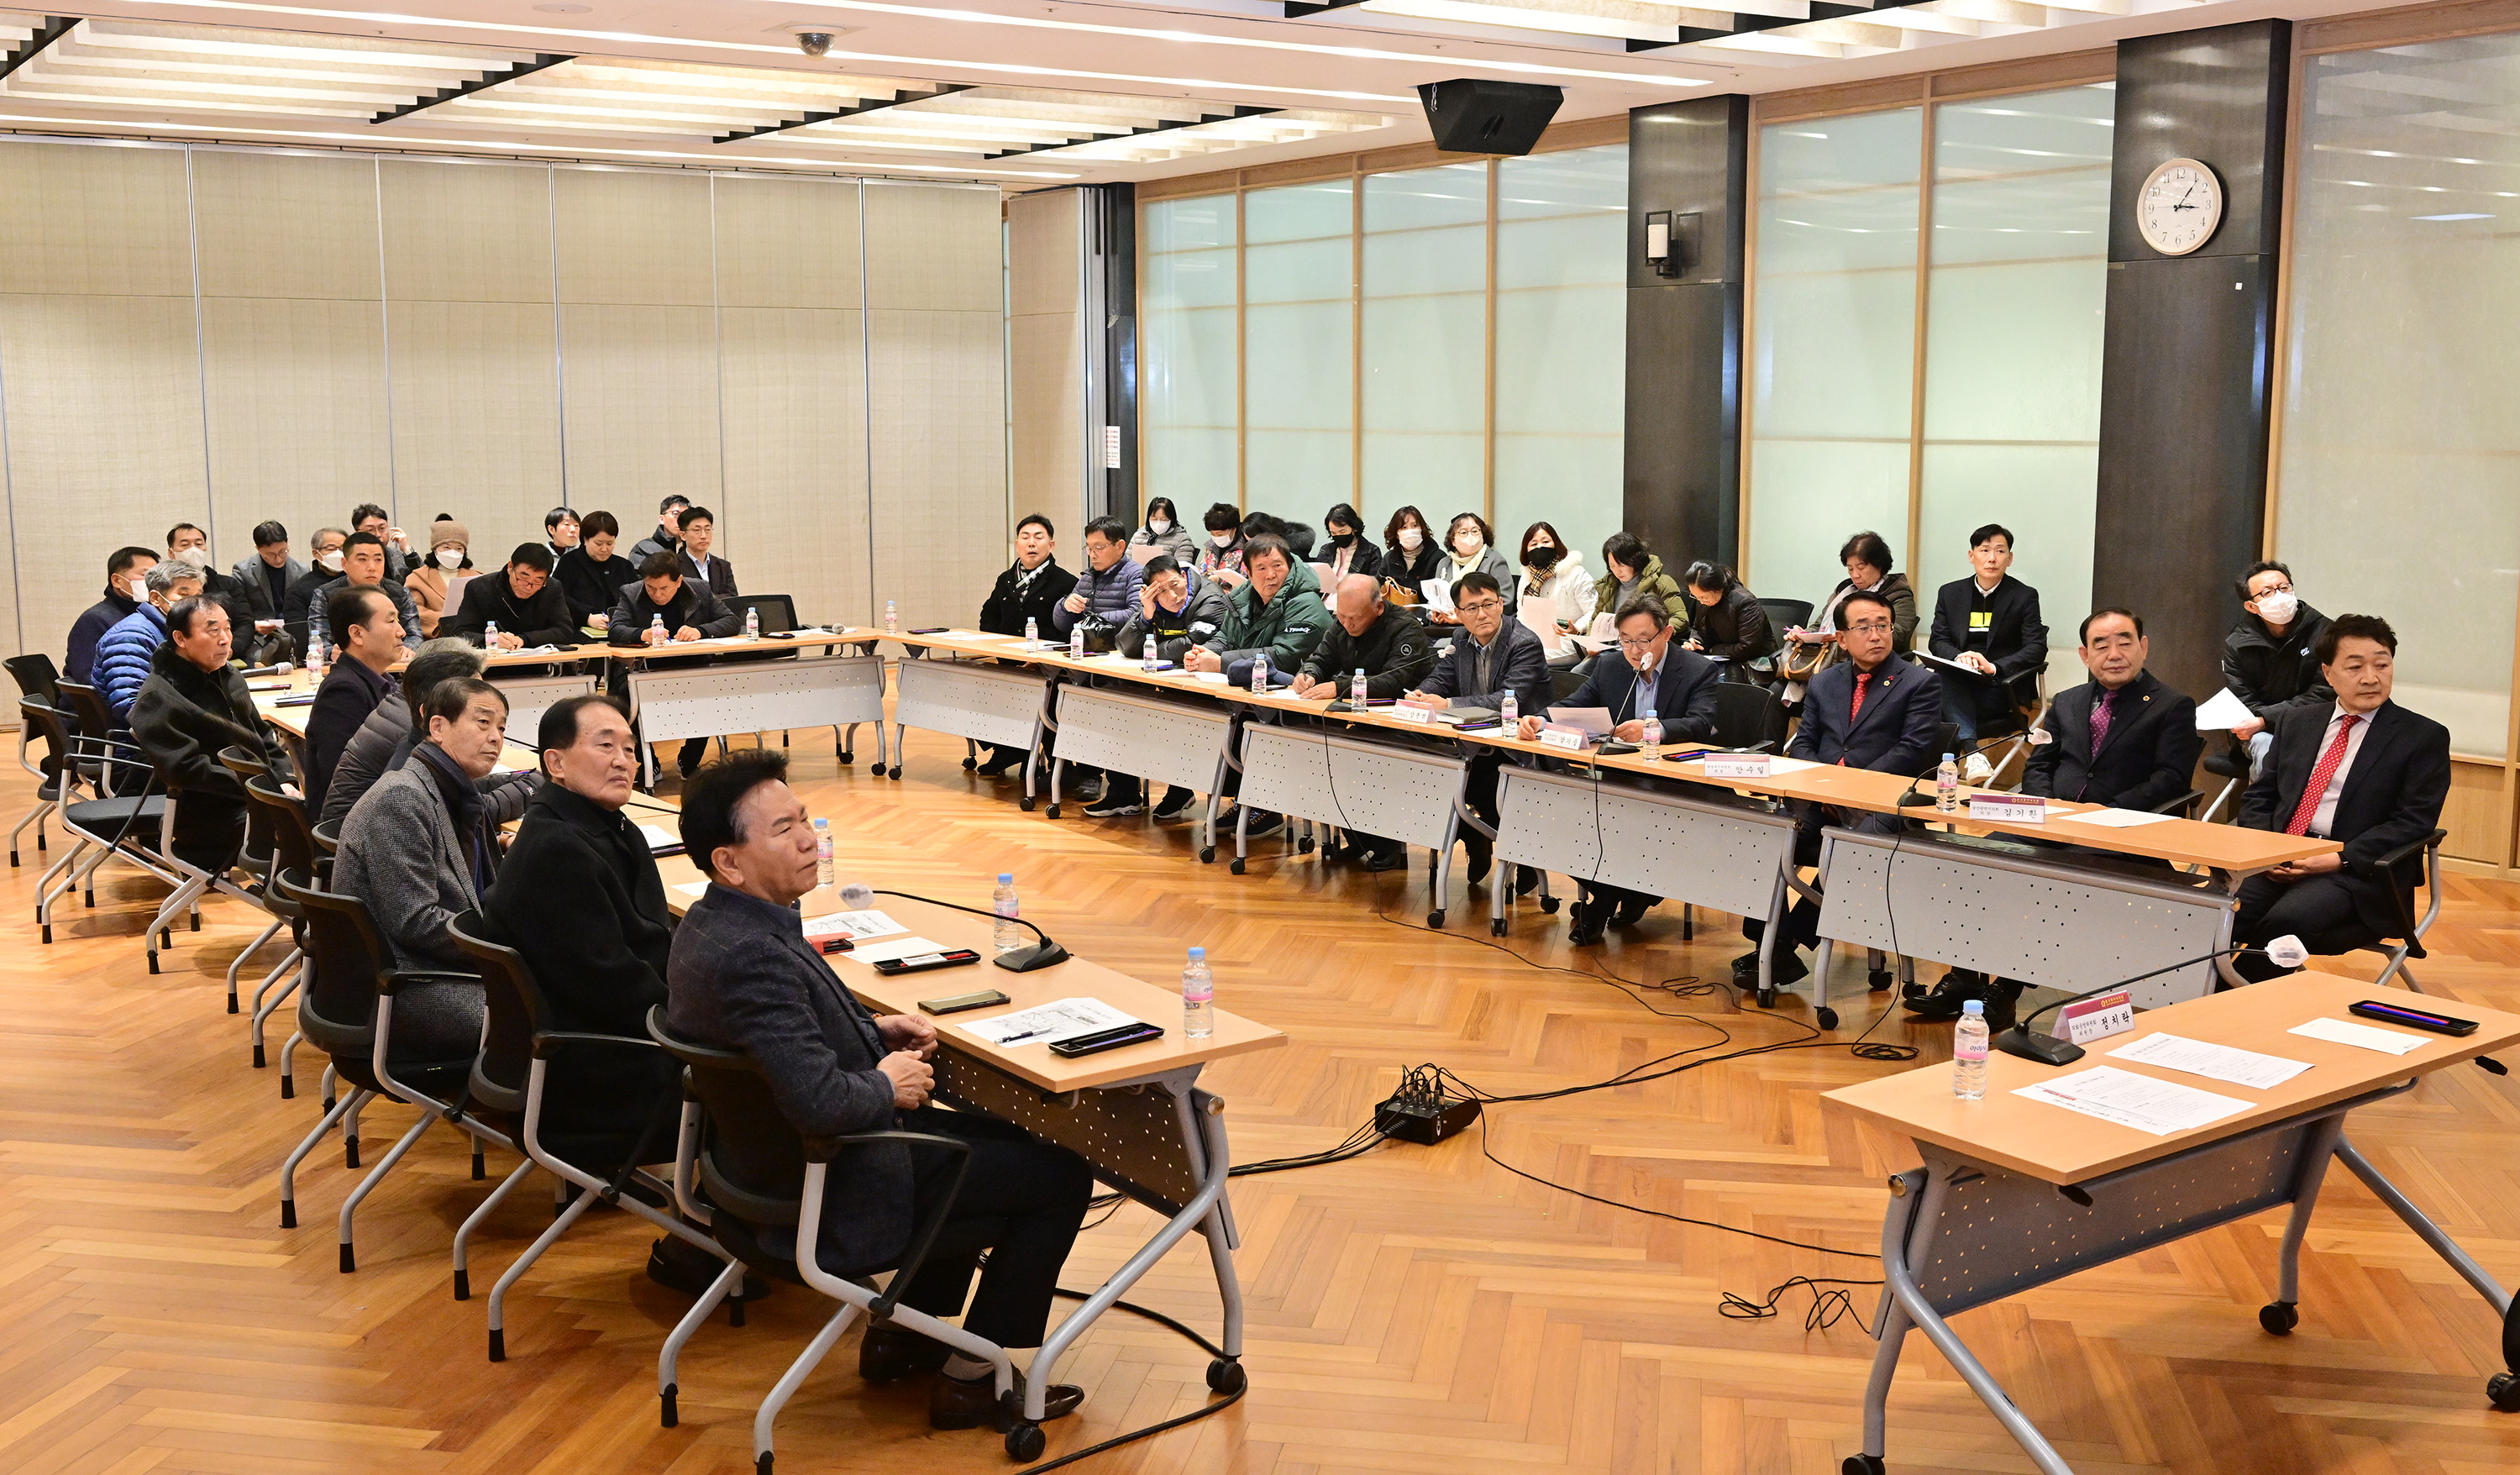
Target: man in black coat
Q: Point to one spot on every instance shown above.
(2271, 657)
(742, 977)
(1393, 651)
(2122, 738)
(124, 594)
(1990, 623)
(520, 599)
(194, 704)
(664, 609)
(2364, 772)
(327, 557)
(1028, 590)
(371, 642)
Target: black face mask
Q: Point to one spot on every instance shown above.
(1542, 558)
(1341, 540)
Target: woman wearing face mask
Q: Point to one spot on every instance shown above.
(1552, 572)
(1409, 551)
(1347, 550)
(1163, 534)
(450, 546)
(1219, 558)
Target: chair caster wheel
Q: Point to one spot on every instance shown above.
(2502, 1388)
(1826, 1016)
(1238, 867)
(847, 757)
(1024, 1442)
(2279, 1318)
(1878, 980)
(1495, 927)
(1549, 905)
(1024, 804)
(1054, 811)
(1207, 855)
(1863, 1464)
(463, 1285)
(1304, 846)
(1226, 1375)
(1766, 998)
(971, 763)
(668, 1415)
(1435, 919)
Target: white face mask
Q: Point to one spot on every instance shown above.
(1469, 545)
(196, 557)
(137, 586)
(1223, 539)
(1159, 525)
(1412, 538)
(450, 557)
(2279, 607)
(329, 563)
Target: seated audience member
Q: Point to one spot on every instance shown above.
(666, 536)
(1990, 623)
(324, 552)
(123, 656)
(1393, 650)
(1027, 592)
(367, 518)
(266, 578)
(1472, 546)
(1634, 569)
(1219, 558)
(1410, 555)
(384, 741)
(1730, 624)
(742, 977)
(187, 544)
(1870, 710)
(450, 554)
(1108, 589)
(1865, 556)
(1298, 535)
(192, 705)
(2362, 770)
(371, 642)
(520, 599)
(698, 526)
(126, 589)
(591, 575)
(1179, 614)
(664, 608)
(561, 531)
(363, 566)
(1163, 533)
(1555, 572)
(1675, 686)
(1276, 613)
(418, 850)
(2271, 657)
(1493, 654)
(1348, 551)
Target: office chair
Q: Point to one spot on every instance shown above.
(1786, 615)
(283, 817)
(1748, 716)
(2230, 763)
(38, 719)
(126, 821)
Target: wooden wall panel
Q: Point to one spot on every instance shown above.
(640, 422)
(934, 248)
(85, 219)
(1045, 336)
(467, 233)
(2477, 815)
(630, 237)
(794, 509)
(286, 226)
(475, 416)
(296, 415)
(939, 494)
(787, 243)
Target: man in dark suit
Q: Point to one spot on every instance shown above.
(371, 642)
(1870, 710)
(742, 977)
(2364, 772)
(2122, 738)
(1988, 622)
(1650, 676)
(700, 535)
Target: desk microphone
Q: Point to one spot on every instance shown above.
(281, 668)
(2284, 951)
(1613, 745)
(1021, 960)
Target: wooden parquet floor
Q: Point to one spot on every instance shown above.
(1417, 1309)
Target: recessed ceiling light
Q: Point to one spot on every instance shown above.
(564, 10)
(2454, 217)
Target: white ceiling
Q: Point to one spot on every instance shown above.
(1020, 93)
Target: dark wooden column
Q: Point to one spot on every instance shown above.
(2188, 383)
(1683, 485)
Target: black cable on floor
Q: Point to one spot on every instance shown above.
(1151, 1430)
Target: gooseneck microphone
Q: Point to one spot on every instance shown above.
(1021, 960)
(2284, 951)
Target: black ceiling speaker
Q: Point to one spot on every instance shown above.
(1475, 116)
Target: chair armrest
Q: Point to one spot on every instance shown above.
(2403, 852)
(822, 1149)
(392, 981)
(923, 1236)
(2178, 805)
(544, 1040)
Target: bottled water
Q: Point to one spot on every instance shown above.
(1032, 634)
(1509, 711)
(1356, 688)
(318, 661)
(1260, 673)
(657, 630)
(1968, 1052)
(1947, 787)
(753, 632)
(1076, 642)
(1152, 656)
(489, 635)
(891, 619)
(822, 852)
(1652, 729)
(1009, 937)
(1198, 996)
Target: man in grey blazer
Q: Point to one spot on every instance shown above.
(741, 977)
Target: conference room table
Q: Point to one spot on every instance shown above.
(2019, 1191)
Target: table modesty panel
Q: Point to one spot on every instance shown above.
(1366, 788)
(2048, 924)
(767, 697)
(530, 696)
(1727, 857)
(1166, 741)
(984, 702)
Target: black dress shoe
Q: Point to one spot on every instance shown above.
(1394, 859)
(1480, 855)
(1745, 971)
(954, 1403)
(1787, 967)
(1944, 999)
(1526, 879)
(996, 767)
(1588, 921)
(1632, 910)
(892, 1353)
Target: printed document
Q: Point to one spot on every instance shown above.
(2159, 1108)
(2219, 1062)
(1050, 1024)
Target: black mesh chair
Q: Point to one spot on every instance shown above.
(1748, 717)
(39, 721)
(1786, 615)
(2231, 764)
(778, 610)
(346, 1010)
(508, 1086)
(2406, 940)
(281, 818)
(127, 823)
(760, 1177)
(36, 675)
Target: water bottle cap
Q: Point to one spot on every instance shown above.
(1946, 757)
(1199, 952)
(822, 823)
(1006, 878)
(1974, 1009)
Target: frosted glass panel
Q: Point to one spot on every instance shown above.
(1299, 283)
(1187, 380)
(1833, 344)
(2400, 470)
(2015, 305)
(1426, 341)
(1561, 345)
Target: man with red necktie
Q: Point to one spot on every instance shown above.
(2364, 772)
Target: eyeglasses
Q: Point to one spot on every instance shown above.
(1628, 642)
(1869, 627)
(1481, 606)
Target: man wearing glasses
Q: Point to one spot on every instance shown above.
(1866, 711)
(1678, 688)
(1491, 656)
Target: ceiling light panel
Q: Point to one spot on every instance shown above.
(160, 68)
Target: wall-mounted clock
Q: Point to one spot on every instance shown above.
(2179, 208)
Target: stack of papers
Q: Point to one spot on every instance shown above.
(2361, 1036)
(884, 952)
(2216, 1062)
(2221, 712)
(1050, 1024)
(661, 842)
(857, 926)
(2159, 1108)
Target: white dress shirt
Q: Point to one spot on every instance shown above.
(2324, 819)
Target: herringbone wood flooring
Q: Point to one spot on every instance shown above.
(1414, 1311)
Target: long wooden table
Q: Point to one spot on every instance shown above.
(2017, 1193)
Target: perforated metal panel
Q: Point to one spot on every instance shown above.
(530, 696)
(1132, 1135)
(2046, 923)
(763, 698)
(1664, 845)
(986, 702)
(1288, 771)
(1166, 741)
(1379, 789)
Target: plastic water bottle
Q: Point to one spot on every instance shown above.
(1151, 657)
(1652, 729)
(822, 852)
(317, 660)
(656, 629)
(1009, 936)
(1198, 996)
(1947, 787)
(489, 635)
(891, 619)
(1260, 673)
(1076, 642)
(1968, 1052)
(1032, 634)
(1356, 688)
(753, 632)
(1510, 711)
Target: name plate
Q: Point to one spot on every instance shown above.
(1410, 711)
(2008, 809)
(1737, 766)
(2097, 1019)
(1569, 738)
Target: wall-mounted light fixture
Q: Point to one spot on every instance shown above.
(1671, 241)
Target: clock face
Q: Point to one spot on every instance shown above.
(2181, 206)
